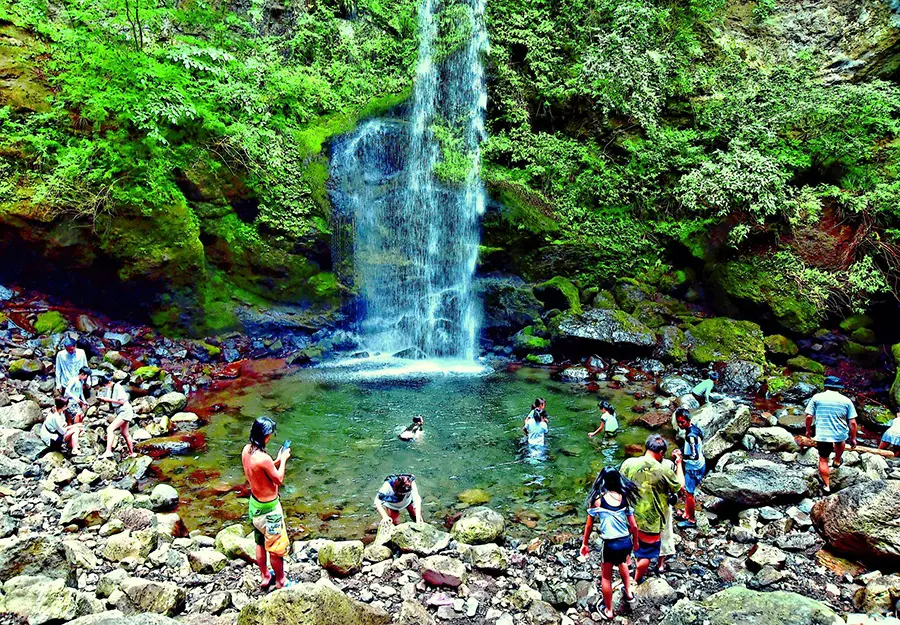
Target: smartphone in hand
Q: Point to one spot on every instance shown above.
(284, 446)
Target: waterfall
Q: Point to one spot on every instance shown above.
(411, 191)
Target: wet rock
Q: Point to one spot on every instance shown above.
(757, 483)
(419, 538)
(675, 386)
(720, 339)
(575, 375)
(141, 595)
(740, 605)
(341, 557)
(33, 555)
(21, 415)
(311, 604)
(207, 561)
(29, 446)
(443, 571)
(740, 376)
(474, 496)
(861, 520)
(774, 439)
(136, 467)
(606, 327)
(163, 497)
(479, 525)
(40, 600)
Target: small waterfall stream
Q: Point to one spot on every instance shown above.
(410, 192)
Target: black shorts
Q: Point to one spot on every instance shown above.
(616, 551)
(826, 449)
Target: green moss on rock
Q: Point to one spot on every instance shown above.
(864, 355)
(604, 299)
(751, 281)
(802, 363)
(778, 384)
(652, 314)
(629, 293)
(147, 373)
(723, 339)
(50, 322)
(779, 345)
(863, 335)
(856, 322)
(560, 293)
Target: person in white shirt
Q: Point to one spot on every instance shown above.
(56, 432)
(75, 393)
(69, 361)
(116, 395)
(399, 493)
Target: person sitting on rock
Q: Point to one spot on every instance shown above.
(891, 438)
(834, 417)
(57, 432)
(694, 464)
(75, 393)
(701, 391)
(399, 493)
(415, 431)
(655, 485)
(609, 423)
(266, 475)
(69, 361)
(609, 505)
(114, 393)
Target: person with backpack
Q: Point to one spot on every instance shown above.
(694, 465)
(610, 508)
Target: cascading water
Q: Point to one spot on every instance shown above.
(411, 192)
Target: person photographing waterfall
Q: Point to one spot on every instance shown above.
(266, 475)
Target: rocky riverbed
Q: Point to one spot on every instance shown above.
(94, 540)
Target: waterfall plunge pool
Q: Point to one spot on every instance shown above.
(344, 428)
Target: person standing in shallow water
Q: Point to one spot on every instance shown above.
(656, 484)
(266, 475)
(834, 417)
(609, 423)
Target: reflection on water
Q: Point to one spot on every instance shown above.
(344, 431)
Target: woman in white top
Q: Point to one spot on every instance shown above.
(891, 438)
(56, 432)
(117, 396)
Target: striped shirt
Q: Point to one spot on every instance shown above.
(832, 413)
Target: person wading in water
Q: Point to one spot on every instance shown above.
(265, 476)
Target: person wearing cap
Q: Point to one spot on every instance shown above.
(834, 417)
(609, 423)
(69, 361)
(702, 390)
(114, 393)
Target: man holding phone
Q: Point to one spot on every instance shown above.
(265, 476)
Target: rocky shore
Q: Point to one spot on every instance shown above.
(99, 541)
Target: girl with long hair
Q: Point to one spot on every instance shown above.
(609, 506)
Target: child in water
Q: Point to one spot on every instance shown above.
(608, 421)
(610, 506)
(415, 431)
(536, 423)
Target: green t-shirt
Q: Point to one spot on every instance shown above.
(655, 483)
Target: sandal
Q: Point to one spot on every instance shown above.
(606, 615)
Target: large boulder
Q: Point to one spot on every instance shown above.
(33, 555)
(508, 305)
(862, 520)
(143, 595)
(341, 557)
(723, 425)
(774, 439)
(234, 543)
(95, 508)
(39, 599)
(479, 525)
(601, 328)
(741, 606)
(170, 403)
(25, 368)
(740, 376)
(11, 467)
(311, 604)
(419, 538)
(722, 339)
(757, 483)
(20, 416)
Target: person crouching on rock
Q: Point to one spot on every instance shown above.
(116, 395)
(266, 514)
(399, 493)
(835, 419)
(608, 421)
(655, 484)
(701, 391)
(415, 431)
(609, 505)
(694, 465)
(75, 394)
(57, 432)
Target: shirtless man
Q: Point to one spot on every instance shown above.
(265, 476)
